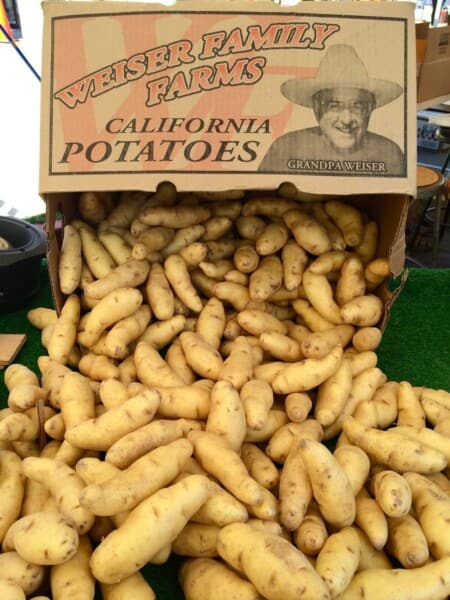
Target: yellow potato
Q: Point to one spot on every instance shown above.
(211, 322)
(216, 228)
(176, 271)
(135, 586)
(394, 450)
(43, 538)
(307, 374)
(267, 509)
(376, 272)
(101, 433)
(283, 438)
(174, 216)
(73, 578)
(41, 317)
(320, 293)
(272, 238)
(310, 316)
(392, 493)
(226, 416)
(429, 437)
(69, 265)
(25, 396)
(332, 394)
(176, 360)
(259, 465)
(9, 590)
(64, 331)
(257, 399)
(145, 476)
(183, 237)
(312, 533)
(116, 245)
(158, 334)
(238, 366)
(159, 293)
(97, 366)
(149, 239)
(97, 258)
(280, 346)
(331, 487)
(152, 369)
(186, 401)
(364, 311)
(348, 219)
(152, 525)
(268, 206)
(135, 444)
(367, 338)
(367, 248)
(271, 563)
(129, 274)
(407, 542)
(295, 491)
(294, 260)
(298, 406)
(17, 570)
(223, 463)
(113, 307)
(256, 322)
(385, 401)
(432, 507)
(336, 238)
(308, 232)
(370, 557)
(430, 581)
(249, 227)
(355, 463)
(410, 411)
(338, 560)
(266, 278)
(246, 259)
(351, 283)
(64, 486)
(197, 540)
(320, 343)
(206, 578)
(221, 508)
(12, 487)
(371, 519)
(205, 360)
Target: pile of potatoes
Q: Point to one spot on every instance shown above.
(211, 390)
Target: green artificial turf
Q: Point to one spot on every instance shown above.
(416, 343)
(415, 348)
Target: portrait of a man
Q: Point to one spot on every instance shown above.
(343, 98)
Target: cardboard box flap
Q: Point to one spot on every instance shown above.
(438, 43)
(433, 61)
(137, 93)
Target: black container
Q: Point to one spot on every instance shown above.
(20, 264)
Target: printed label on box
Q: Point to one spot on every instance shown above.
(317, 95)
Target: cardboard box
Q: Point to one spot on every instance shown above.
(211, 99)
(136, 93)
(433, 61)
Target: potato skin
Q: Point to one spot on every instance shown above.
(206, 578)
(432, 581)
(21, 572)
(275, 567)
(43, 538)
(152, 525)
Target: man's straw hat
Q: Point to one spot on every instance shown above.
(340, 67)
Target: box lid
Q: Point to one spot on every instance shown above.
(229, 94)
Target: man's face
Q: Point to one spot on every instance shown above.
(343, 115)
